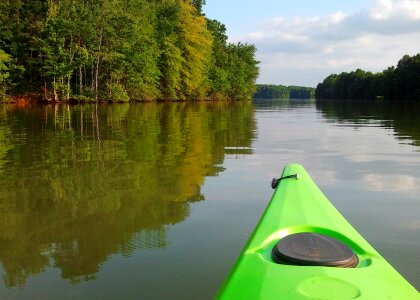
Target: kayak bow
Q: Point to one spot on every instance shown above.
(303, 248)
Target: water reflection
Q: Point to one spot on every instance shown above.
(373, 152)
(79, 183)
(399, 117)
(282, 104)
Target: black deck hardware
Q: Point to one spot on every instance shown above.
(314, 249)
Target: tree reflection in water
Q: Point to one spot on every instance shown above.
(80, 183)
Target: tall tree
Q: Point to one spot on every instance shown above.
(170, 60)
(4, 72)
(218, 73)
(20, 22)
(243, 70)
(196, 41)
(198, 4)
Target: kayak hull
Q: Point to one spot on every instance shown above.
(298, 206)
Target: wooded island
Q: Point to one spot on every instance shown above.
(120, 50)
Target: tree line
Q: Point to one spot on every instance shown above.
(395, 83)
(271, 91)
(120, 50)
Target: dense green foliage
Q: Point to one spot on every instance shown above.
(4, 72)
(400, 83)
(271, 91)
(120, 50)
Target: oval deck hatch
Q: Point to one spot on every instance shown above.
(313, 249)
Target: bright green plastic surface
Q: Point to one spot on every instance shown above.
(298, 205)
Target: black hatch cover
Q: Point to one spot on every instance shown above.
(314, 249)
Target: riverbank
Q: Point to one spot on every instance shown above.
(39, 98)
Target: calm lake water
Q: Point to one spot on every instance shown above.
(156, 200)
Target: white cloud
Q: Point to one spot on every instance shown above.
(304, 50)
(387, 9)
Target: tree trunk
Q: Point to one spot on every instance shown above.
(45, 89)
(96, 79)
(68, 88)
(55, 89)
(80, 81)
(97, 66)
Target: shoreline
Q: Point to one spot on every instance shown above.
(40, 99)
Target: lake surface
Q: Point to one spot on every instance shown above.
(156, 200)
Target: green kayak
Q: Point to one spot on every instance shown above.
(303, 248)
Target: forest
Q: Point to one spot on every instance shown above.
(271, 91)
(395, 83)
(120, 50)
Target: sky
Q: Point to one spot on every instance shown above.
(300, 42)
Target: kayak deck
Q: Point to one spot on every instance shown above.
(298, 206)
